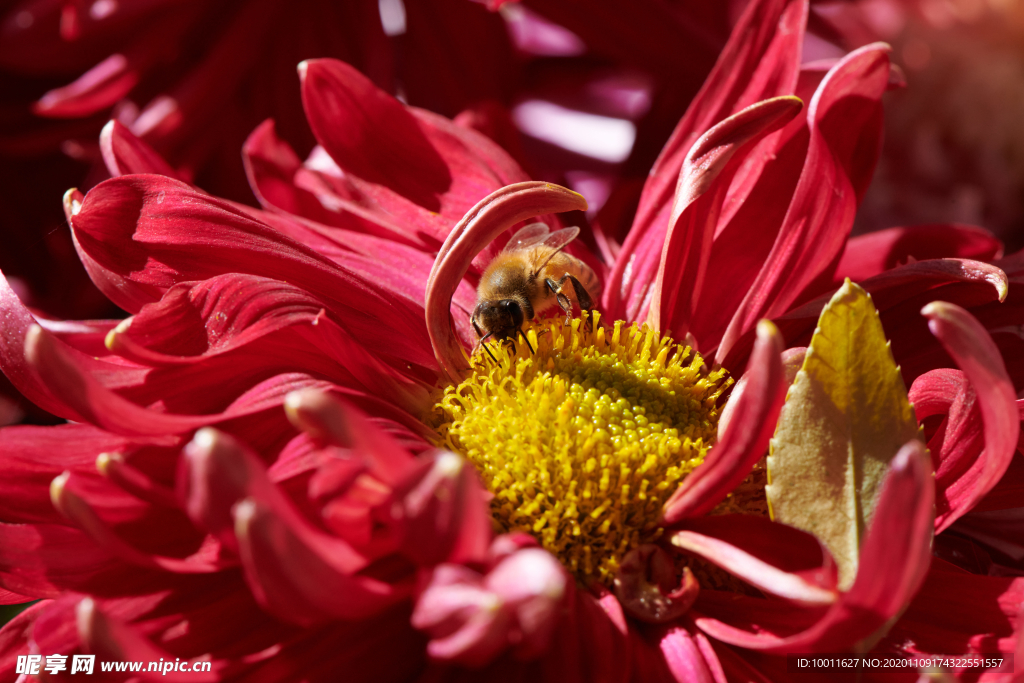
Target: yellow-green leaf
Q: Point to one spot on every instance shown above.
(845, 417)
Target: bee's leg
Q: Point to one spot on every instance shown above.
(562, 299)
(583, 297)
(510, 341)
(483, 342)
(527, 340)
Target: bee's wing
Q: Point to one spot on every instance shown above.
(559, 238)
(527, 236)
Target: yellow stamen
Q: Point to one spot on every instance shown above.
(582, 442)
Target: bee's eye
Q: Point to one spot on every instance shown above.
(514, 310)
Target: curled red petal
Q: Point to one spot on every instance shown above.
(745, 440)
(707, 169)
(874, 253)
(78, 510)
(974, 351)
(447, 513)
(489, 218)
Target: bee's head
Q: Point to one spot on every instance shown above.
(499, 318)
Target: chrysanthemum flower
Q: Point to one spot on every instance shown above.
(215, 497)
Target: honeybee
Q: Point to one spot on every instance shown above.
(528, 277)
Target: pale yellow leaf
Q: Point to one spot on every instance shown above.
(845, 417)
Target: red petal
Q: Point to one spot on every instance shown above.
(707, 170)
(760, 61)
(72, 506)
(124, 153)
(893, 290)
(687, 660)
(33, 456)
(972, 348)
(876, 252)
(489, 218)
(291, 577)
(958, 612)
(140, 235)
(370, 134)
(816, 226)
(775, 558)
(742, 444)
(98, 88)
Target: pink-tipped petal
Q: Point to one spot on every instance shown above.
(974, 351)
(333, 421)
(489, 218)
(112, 639)
(447, 513)
(95, 90)
(750, 427)
(707, 169)
(72, 506)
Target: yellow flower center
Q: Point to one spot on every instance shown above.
(583, 441)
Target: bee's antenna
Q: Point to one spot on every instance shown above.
(527, 340)
(484, 345)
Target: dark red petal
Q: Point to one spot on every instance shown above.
(742, 444)
(17, 322)
(42, 560)
(15, 636)
(707, 170)
(817, 223)
(876, 252)
(958, 612)
(124, 153)
(976, 354)
(72, 506)
(447, 513)
(33, 456)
